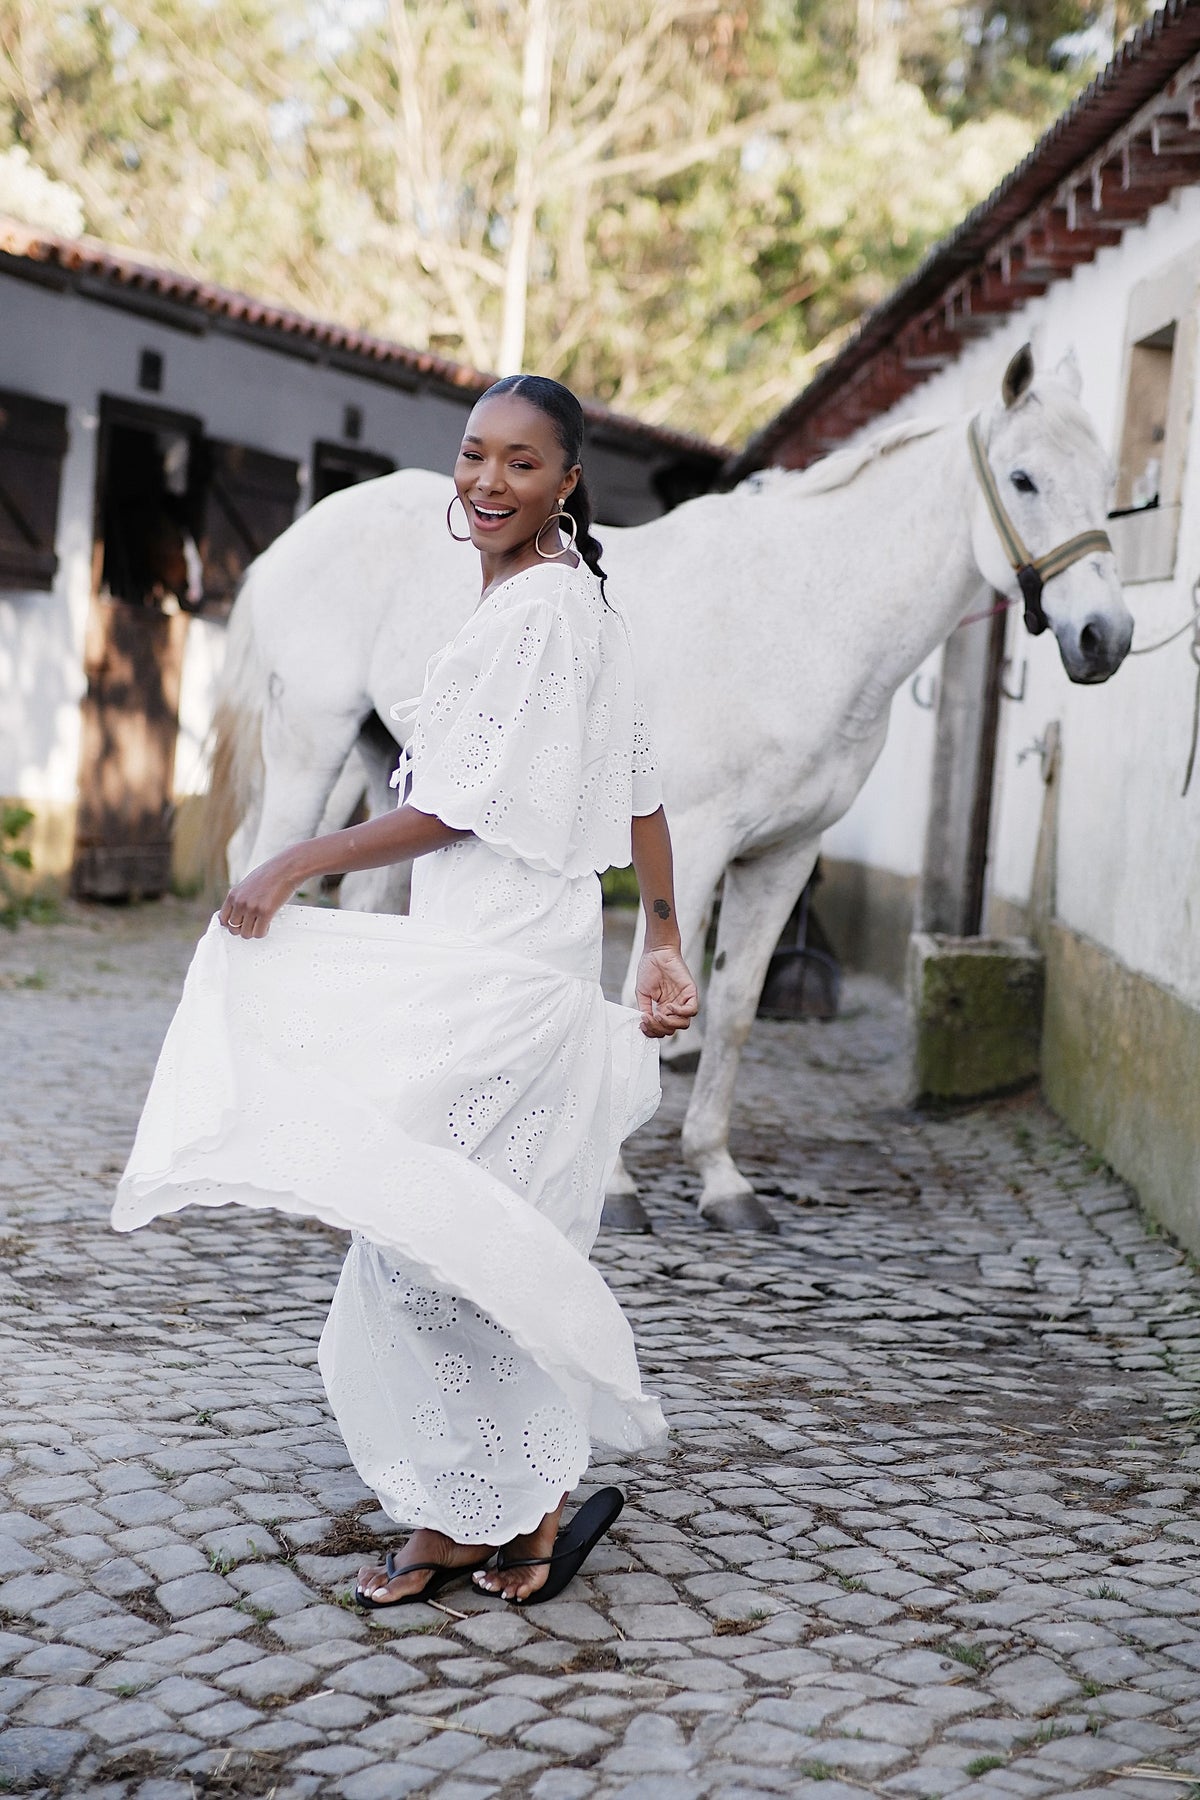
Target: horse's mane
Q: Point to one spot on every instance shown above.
(837, 470)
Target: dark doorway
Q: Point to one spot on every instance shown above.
(146, 571)
(338, 466)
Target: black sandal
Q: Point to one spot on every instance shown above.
(573, 1547)
(441, 1577)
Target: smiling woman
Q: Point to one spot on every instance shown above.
(452, 1088)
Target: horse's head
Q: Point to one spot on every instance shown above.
(1051, 478)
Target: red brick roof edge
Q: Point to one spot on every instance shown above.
(89, 256)
(1142, 67)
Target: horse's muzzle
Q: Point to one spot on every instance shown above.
(1097, 650)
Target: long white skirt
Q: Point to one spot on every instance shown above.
(454, 1095)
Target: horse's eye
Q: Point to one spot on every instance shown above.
(1022, 482)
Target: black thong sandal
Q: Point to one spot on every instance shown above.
(441, 1577)
(599, 1512)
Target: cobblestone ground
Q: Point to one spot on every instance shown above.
(926, 1526)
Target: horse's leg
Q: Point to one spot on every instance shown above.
(759, 895)
(698, 867)
(383, 890)
(303, 756)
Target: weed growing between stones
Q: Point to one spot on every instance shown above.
(980, 1765)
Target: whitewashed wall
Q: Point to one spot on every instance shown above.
(1129, 846)
(65, 348)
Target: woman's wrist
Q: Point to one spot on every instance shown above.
(662, 933)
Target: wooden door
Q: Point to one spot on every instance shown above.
(250, 498)
(133, 661)
(146, 475)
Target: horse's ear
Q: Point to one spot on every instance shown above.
(1018, 376)
(1067, 371)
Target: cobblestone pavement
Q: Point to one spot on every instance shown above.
(926, 1525)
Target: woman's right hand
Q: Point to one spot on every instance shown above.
(252, 903)
(666, 993)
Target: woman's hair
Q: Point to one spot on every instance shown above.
(566, 415)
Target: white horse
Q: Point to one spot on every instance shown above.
(774, 624)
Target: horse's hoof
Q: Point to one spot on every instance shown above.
(686, 1063)
(625, 1212)
(738, 1212)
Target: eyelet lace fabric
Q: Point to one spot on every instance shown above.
(529, 731)
(451, 1088)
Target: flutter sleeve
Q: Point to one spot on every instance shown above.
(647, 781)
(499, 737)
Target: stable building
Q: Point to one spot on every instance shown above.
(1006, 800)
(156, 434)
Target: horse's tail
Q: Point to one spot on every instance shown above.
(235, 785)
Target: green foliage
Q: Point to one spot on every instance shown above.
(676, 205)
(980, 1765)
(15, 903)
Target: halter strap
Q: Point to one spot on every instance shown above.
(1032, 572)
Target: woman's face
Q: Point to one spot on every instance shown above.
(509, 474)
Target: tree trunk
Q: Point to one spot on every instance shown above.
(535, 117)
(878, 50)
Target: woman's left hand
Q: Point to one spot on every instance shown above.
(666, 993)
(252, 904)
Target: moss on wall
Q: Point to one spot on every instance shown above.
(1120, 1062)
(977, 1014)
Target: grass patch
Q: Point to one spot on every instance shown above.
(979, 1765)
(972, 1656)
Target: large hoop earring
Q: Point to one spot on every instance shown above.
(466, 516)
(553, 555)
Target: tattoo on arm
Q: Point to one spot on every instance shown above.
(662, 910)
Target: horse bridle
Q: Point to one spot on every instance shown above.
(1032, 572)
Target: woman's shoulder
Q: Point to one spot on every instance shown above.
(571, 590)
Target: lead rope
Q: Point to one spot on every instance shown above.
(1192, 624)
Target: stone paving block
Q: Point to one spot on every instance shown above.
(111, 1634)
(563, 1784)
(1032, 1685)
(565, 1737)
(195, 1593)
(26, 1594)
(266, 1677)
(222, 1720)
(318, 1625)
(331, 1712)
(376, 1677)
(144, 1506)
(180, 1695)
(54, 1705)
(16, 1558)
(128, 1719)
(660, 1623)
(662, 1787)
(29, 1755)
(383, 1782)
(167, 1561)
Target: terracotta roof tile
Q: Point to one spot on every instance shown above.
(88, 257)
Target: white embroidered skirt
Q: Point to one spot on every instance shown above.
(456, 1105)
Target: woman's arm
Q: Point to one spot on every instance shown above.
(395, 837)
(666, 992)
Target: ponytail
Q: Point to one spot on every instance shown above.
(579, 504)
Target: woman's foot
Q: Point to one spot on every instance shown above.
(422, 1547)
(520, 1582)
